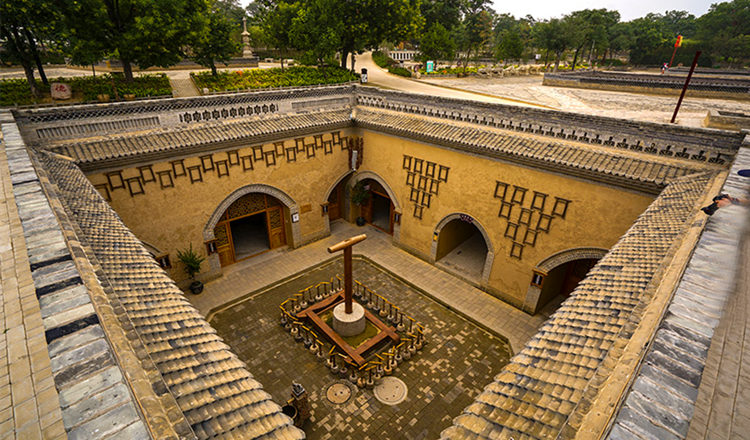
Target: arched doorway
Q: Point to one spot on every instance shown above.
(378, 210)
(463, 248)
(251, 225)
(559, 275)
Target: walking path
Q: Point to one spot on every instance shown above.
(183, 88)
(378, 76)
(250, 276)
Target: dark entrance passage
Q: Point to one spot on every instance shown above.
(378, 210)
(563, 279)
(253, 224)
(461, 247)
(249, 236)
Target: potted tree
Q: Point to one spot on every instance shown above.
(359, 194)
(192, 262)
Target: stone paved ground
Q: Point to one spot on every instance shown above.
(255, 273)
(458, 361)
(654, 108)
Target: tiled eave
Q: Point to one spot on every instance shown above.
(169, 144)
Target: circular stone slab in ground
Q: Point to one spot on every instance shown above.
(338, 393)
(391, 390)
(349, 324)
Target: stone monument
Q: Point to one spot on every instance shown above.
(246, 51)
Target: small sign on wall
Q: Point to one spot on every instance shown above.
(434, 236)
(295, 217)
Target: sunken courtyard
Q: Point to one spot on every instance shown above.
(480, 219)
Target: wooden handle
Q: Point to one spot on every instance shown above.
(346, 243)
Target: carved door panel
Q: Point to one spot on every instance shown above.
(224, 246)
(334, 204)
(276, 233)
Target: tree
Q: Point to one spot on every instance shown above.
(437, 44)
(445, 12)
(276, 25)
(555, 36)
(648, 37)
(724, 29)
(317, 29)
(25, 23)
(476, 27)
(510, 45)
(367, 23)
(215, 43)
(144, 32)
(679, 23)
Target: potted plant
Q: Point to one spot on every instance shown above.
(359, 194)
(192, 262)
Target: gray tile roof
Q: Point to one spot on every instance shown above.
(662, 399)
(536, 394)
(213, 388)
(190, 140)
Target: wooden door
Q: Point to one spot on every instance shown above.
(393, 218)
(334, 204)
(366, 210)
(223, 235)
(276, 233)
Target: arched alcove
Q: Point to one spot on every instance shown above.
(277, 213)
(559, 274)
(464, 247)
(388, 193)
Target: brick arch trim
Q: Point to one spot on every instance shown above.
(362, 175)
(490, 248)
(208, 231)
(568, 255)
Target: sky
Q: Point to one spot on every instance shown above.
(629, 9)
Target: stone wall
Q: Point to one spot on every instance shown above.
(717, 88)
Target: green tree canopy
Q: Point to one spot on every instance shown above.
(317, 29)
(216, 43)
(437, 44)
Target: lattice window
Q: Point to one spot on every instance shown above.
(104, 191)
(220, 235)
(164, 261)
(279, 148)
(275, 219)
(246, 205)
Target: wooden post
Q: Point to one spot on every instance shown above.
(346, 246)
(685, 87)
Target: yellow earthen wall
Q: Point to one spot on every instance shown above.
(172, 218)
(597, 216)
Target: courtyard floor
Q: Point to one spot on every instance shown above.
(460, 358)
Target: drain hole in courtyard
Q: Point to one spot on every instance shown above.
(338, 393)
(391, 391)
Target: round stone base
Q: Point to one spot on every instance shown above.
(349, 324)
